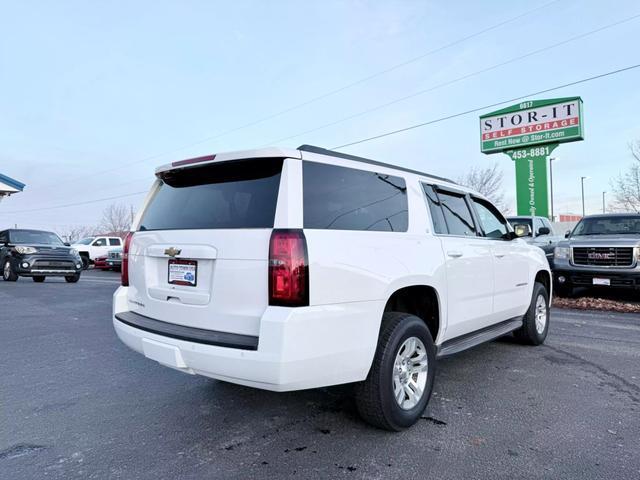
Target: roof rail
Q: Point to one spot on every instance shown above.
(332, 153)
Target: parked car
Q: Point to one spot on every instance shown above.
(542, 233)
(100, 263)
(114, 259)
(295, 269)
(602, 250)
(37, 254)
(91, 248)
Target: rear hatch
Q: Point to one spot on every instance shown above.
(199, 257)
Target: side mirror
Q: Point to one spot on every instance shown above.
(544, 231)
(522, 230)
(567, 233)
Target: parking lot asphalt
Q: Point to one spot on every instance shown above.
(76, 403)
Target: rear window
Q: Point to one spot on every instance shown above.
(236, 194)
(340, 198)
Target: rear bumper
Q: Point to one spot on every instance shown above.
(297, 348)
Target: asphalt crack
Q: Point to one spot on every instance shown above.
(623, 386)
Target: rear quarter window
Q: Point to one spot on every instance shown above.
(340, 198)
(235, 194)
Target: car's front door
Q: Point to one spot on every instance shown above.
(510, 263)
(469, 264)
(99, 248)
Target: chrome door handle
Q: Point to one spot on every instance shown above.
(454, 254)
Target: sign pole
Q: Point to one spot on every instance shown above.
(531, 177)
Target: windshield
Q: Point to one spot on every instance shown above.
(85, 241)
(624, 225)
(34, 237)
(521, 221)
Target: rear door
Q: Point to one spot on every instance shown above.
(199, 256)
(469, 262)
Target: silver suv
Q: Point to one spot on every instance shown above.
(602, 250)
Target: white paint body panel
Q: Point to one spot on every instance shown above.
(352, 276)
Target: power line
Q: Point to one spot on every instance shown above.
(319, 97)
(393, 132)
(77, 203)
(485, 107)
(455, 80)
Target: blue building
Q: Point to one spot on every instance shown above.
(9, 186)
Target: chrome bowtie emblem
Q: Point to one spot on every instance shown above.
(172, 252)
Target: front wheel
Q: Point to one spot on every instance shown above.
(85, 262)
(8, 273)
(38, 278)
(72, 278)
(399, 384)
(535, 325)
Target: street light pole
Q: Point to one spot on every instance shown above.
(582, 179)
(603, 194)
(551, 159)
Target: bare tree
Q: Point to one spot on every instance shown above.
(73, 233)
(626, 186)
(488, 182)
(117, 219)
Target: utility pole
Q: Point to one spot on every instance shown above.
(551, 160)
(582, 179)
(603, 209)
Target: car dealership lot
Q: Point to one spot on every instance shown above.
(76, 403)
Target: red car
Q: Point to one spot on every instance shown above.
(101, 263)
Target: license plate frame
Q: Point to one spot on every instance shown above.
(601, 282)
(180, 276)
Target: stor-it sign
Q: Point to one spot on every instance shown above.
(557, 120)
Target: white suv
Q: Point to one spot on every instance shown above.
(292, 269)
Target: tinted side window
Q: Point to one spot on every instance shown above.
(101, 242)
(493, 224)
(457, 214)
(114, 242)
(340, 198)
(437, 216)
(4, 238)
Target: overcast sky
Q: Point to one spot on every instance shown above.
(121, 87)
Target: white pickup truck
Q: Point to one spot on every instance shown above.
(293, 269)
(91, 248)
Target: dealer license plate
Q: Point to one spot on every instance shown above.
(602, 281)
(183, 272)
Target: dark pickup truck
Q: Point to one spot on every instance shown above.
(602, 250)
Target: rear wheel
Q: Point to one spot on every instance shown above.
(72, 278)
(535, 324)
(399, 384)
(8, 273)
(38, 278)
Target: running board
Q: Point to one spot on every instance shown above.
(470, 340)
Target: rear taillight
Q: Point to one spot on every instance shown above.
(124, 267)
(288, 269)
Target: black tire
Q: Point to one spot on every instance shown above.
(85, 262)
(38, 278)
(529, 334)
(375, 397)
(8, 272)
(72, 278)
